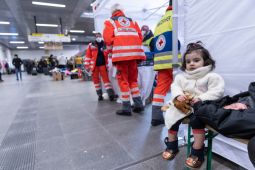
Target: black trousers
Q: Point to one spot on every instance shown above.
(195, 123)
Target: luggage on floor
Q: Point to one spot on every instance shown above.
(34, 72)
(74, 76)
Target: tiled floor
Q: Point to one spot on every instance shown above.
(60, 125)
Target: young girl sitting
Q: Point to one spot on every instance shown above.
(199, 81)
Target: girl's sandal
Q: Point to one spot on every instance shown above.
(193, 162)
(169, 154)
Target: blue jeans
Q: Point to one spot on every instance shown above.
(18, 73)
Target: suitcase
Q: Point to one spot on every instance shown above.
(74, 76)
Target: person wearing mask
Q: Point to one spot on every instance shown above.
(17, 62)
(123, 39)
(163, 64)
(95, 62)
(146, 73)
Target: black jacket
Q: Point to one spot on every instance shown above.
(231, 123)
(17, 62)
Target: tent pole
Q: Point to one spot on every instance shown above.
(175, 31)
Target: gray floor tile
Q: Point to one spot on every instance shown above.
(89, 139)
(104, 157)
(51, 150)
(73, 126)
(48, 132)
(76, 132)
(59, 164)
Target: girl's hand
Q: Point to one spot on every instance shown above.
(181, 98)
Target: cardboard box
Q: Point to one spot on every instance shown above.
(57, 76)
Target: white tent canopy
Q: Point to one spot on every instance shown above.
(143, 12)
(227, 28)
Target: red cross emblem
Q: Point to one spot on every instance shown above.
(124, 21)
(161, 42)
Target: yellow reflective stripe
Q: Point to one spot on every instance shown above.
(162, 66)
(130, 47)
(128, 54)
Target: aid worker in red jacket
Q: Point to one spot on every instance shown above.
(95, 62)
(123, 38)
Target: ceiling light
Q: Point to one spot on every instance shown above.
(4, 22)
(47, 25)
(48, 4)
(22, 47)
(73, 39)
(17, 42)
(95, 32)
(8, 33)
(40, 42)
(41, 47)
(87, 15)
(77, 31)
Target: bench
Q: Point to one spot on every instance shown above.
(210, 134)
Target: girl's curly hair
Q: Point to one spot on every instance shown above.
(197, 47)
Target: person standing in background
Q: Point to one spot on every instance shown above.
(146, 74)
(62, 61)
(17, 62)
(95, 62)
(163, 64)
(78, 61)
(123, 39)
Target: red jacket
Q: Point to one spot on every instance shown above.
(91, 56)
(123, 36)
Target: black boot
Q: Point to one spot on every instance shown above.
(111, 94)
(138, 105)
(138, 109)
(100, 98)
(100, 95)
(123, 113)
(126, 109)
(112, 98)
(157, 116)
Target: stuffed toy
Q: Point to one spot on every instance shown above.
(183, 106)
